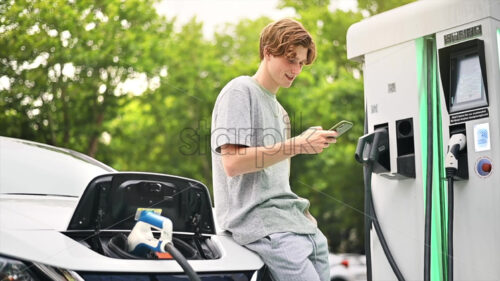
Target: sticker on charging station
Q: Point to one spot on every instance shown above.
(482, 137)
(469, 115)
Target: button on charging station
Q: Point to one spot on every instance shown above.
(486, 167)
(483, 167)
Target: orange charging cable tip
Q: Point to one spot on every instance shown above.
(164, 256)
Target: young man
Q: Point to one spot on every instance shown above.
(251, 148)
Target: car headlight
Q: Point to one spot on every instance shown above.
(13, 270)
(58, 274)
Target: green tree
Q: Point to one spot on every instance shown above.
(66, 62)
(378, 6)
(169, 127)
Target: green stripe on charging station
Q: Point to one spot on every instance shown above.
(427, 78)
(498, 46)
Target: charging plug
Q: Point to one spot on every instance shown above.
(455, 145)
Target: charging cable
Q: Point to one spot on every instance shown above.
(455, 145)
(141, 239)
(369, 147)
(181, 260)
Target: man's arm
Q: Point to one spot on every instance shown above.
(239, 160)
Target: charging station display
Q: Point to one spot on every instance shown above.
(467, 83)
(463, 77)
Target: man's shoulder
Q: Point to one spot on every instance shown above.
(239, 87)
(243, 79)
(239, 83)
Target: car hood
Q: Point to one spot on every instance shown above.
(56, 249)
(32, 231)
(23, 212)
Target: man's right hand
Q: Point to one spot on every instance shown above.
(239, 160)
(313, 140)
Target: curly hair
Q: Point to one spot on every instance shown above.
(279, 38)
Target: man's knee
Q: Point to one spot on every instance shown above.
(287, 255)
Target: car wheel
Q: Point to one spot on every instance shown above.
(337, 279)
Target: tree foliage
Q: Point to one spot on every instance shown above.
(66, 62)
(378, 6)
(67, 74)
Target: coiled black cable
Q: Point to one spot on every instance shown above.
(367, 152)
(188, 270)
(368, 214)
(368, 226)
(379, 232)
(428, 185)
(117, 248)
(449, 175)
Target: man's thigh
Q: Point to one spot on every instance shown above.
(288, 256)
(320, 256)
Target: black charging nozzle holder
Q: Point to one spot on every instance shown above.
(373, 149)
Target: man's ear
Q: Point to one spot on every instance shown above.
(267, 54)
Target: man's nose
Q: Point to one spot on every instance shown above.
(296, 68)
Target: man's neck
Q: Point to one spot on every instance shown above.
(264, 79)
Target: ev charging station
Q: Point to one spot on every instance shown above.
(432, 139)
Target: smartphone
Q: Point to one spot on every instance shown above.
(341, 127)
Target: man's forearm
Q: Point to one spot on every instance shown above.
(242, 160)
(239, 160)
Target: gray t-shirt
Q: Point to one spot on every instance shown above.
(256, 204)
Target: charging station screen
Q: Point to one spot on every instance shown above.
(467, 83)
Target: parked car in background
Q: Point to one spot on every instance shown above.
(347, 267)
(67, 216)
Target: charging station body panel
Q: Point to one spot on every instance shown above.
(391, 93)
(476, 199)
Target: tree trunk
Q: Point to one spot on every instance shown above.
(94, 140)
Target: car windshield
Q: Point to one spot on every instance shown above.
(33, 168)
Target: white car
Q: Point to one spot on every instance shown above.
(66, 216)
(347, 267)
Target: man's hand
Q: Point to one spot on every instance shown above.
(310, 217)
(313, 140)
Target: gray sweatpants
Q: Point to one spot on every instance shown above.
(290, 256)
